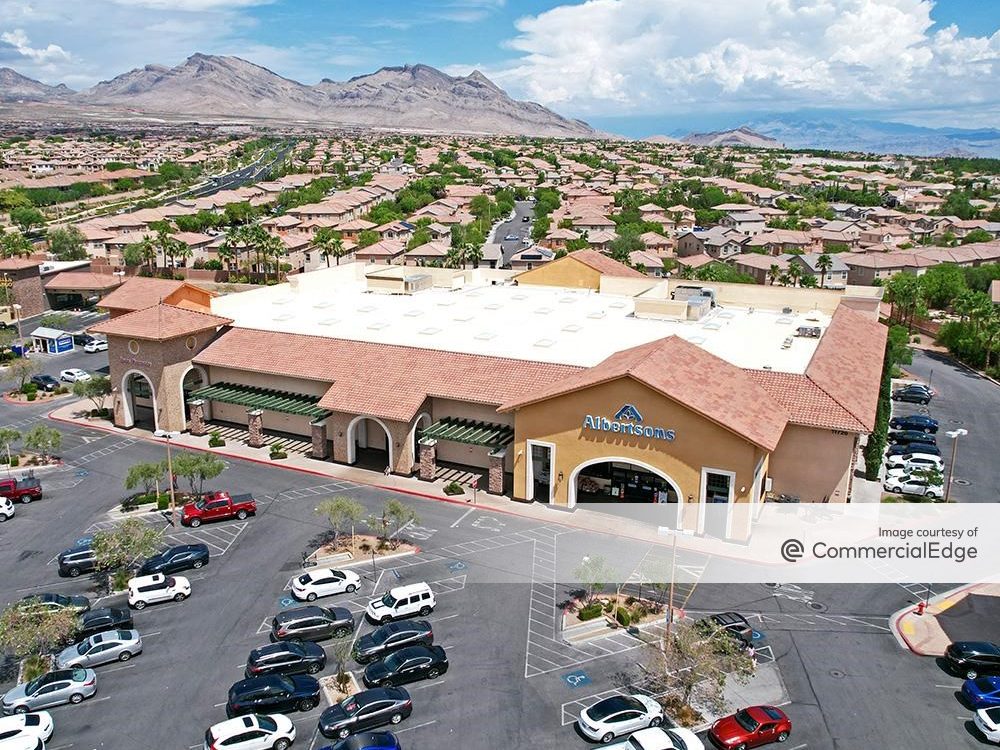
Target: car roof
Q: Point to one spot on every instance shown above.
(413, 588)
(978, 647)
(299, 613)
(728, 618)
(232, 726)
(143, 580)
(374, 695)
(614, 704)
(766, 713)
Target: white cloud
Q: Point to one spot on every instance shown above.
(192, 6)
(651, 57)
(40, 55)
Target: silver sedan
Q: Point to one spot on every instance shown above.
(51, 689)
(113, 645)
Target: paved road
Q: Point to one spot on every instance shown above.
(966, 400)
(517, 226)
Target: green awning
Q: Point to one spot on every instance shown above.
(470, 432)
(262, 398)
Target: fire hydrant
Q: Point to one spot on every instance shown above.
(921, 606)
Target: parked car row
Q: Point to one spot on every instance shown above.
(978, 662)
(913, 459)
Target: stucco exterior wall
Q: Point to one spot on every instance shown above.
(699, 442)
(470, 455)
(566, 272)
(813, 463)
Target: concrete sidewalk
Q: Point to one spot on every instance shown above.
(922, 633)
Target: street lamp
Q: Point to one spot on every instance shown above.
(954, 435)
(168, 436)
(20, 336)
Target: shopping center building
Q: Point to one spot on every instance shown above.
(575, 382)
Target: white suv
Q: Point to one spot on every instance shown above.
(253, 732)
(6, 509)
(145, 590)
(402, 601)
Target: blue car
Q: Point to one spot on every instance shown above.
(367, 741)
(982, 692)
(917, 422)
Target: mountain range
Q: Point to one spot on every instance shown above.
(409, 97)
(741, 136)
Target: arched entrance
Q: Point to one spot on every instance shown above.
(369, 443)
(138, 401)
(623, 480)
(422, 422)
(194, 378)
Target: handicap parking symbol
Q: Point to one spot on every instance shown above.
(82, 473)
(84, 540)
(576, 679)
(456, 566)
(756, 635)
(286, 601)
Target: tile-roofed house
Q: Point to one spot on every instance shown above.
(384, 251)
(160, 322)
(804, 402)
(603, 264)
(382, 380)
(678, 370)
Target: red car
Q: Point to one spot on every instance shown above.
(750, 727)
(217, 506)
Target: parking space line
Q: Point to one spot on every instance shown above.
(427, 685)
(415, 726)
(117, 669)
(463, 517)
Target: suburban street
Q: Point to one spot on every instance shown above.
(516, 225)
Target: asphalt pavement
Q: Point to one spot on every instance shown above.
(515, 226)
(968, 401)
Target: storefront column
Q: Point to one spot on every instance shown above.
(428, 459)
(255, 427)
(495, 485)
(320, 446)
(197, 411)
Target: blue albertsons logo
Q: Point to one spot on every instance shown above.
(627, 421)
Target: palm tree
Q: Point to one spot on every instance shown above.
(236, 240)
(329, 242)
(784, 279)
(774, 272)
(473, 254)
(455, 258)
(794, 273)
(274, 249)
(824, 263)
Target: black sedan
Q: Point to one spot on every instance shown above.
(103, 619)
(928, 449)
(912, 394)
(286, 657)
(367, 741)
(971, 659)
(366, 710)
(176, 559)
(407, 665)
(392, 637)
(272, 694)
(45, 382)
(905, 437)
(917, 422)
(53, 602)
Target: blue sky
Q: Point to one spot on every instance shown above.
(632, 66)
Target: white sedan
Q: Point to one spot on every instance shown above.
(144, 590)
(91, 347)
(658, 738)
(324, 582)
(987, 721)
(619, 715)
(909, 484)
(74, 375)
(253, 732)
(38, 724)
(914, 461)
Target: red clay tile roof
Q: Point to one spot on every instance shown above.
(605, 265)
(686, 373)
(139, 292)
(159, 322)
(82, 280)
(805, 402)
(380, 380)
(18, 264)
(847, 364)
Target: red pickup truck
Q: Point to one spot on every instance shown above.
(22, 490)
(217, 506)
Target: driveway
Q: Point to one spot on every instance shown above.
(517, 226)
(964, 400)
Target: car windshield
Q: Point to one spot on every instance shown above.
(350, 705)
(393, 661)
(32, 686)
(286, 684)
(267, 723)
(82, 648)
(305, 578)
(606, 708)
(746, 721)
(389, 600)
(200, 504)
(985, 685)
(380, 636)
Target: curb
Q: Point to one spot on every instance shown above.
(36, 402)
(894, 619)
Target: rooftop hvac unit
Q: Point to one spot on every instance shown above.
(786, 311)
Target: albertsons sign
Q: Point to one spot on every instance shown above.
(627, 421)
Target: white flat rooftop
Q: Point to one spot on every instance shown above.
(543, 324)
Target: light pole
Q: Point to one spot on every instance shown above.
(168, 436)
(20, 336)
(954, 435)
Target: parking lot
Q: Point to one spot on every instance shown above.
(514, 680)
